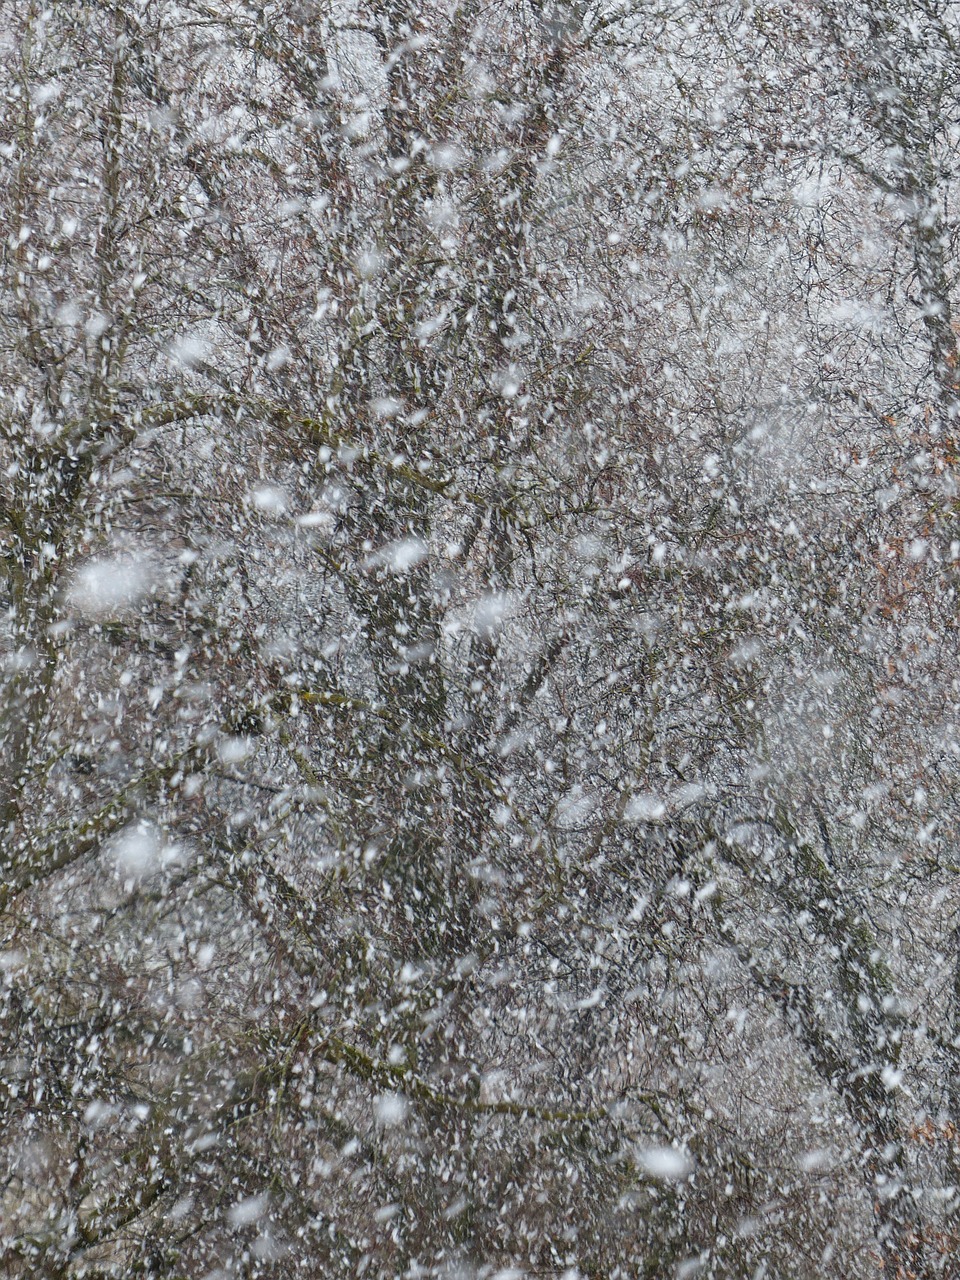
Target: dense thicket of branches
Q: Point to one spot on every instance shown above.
(479, 706)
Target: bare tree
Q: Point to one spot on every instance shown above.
(478, 705)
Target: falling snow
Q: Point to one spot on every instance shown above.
(479, 697)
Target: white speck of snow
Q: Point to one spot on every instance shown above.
(244, 1212)
(446, 156)
(501, 816)
(815, 1160)
(427, 328)
(587, 300)
(104, 587)
(98, 1113)
(137, 851)
(180, 1208)
(689, 1267)
(96, 324)
(20, 660)
(666, 1164)
(188, 350)
(175, 856)
(67, 314)
(852, 313)
(891, 1077)
(489, 612)
(391, 1110)
(400, 556)
(232, 750)
(742, 654)
(369, 265)
(316, 520)
(508, 383)
(575, 807)
(269, 498)
(645, 808)
(386, 406)
(45, 93)
(689, 793)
